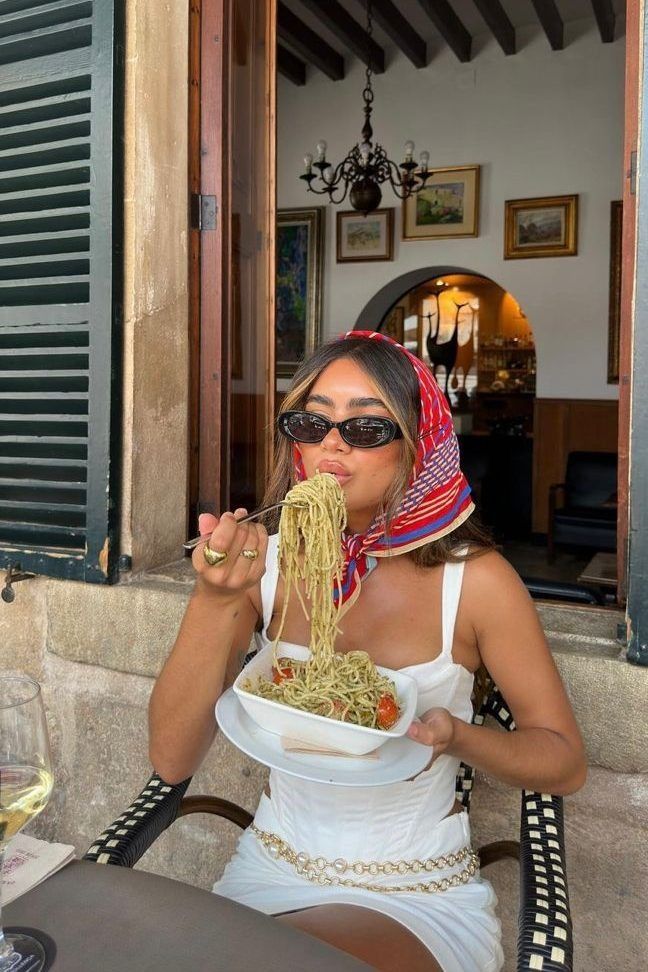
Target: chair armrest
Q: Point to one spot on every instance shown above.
(131, 834)
(554, 489)
(544, 921)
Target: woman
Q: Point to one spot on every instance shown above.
(423, 591)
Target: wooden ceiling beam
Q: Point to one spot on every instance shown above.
(499, 24)
(290, 66)
(449, 26)
(399, 29)
(605, 18)
(349, 32)
(308, 44)
(551, 22)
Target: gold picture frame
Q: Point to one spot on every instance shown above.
(614, 318)
(362, 239)
(447, 207)
(543, 226)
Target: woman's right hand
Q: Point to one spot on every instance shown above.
(239, 571)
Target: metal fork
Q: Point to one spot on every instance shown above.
(190, 544)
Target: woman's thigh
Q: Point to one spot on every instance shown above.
(379, 941)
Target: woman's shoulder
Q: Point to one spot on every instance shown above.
(489, 573)
(494, 596)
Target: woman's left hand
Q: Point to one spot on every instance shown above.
(435, 728)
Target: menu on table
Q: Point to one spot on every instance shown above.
(28, 861)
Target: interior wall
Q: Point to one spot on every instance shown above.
(539, 123)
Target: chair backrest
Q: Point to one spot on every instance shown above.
(590, 478)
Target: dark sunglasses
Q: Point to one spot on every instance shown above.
(363, 432)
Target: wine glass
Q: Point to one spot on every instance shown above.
(25, 786)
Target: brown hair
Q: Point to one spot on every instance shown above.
(396, 381)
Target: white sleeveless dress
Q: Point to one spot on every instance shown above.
(401, 821)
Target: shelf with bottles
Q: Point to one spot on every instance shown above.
(500, 342)
(507, 412)
(494, 359)
(506, 366)
(512, 381)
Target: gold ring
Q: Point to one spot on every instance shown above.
(214, 557)
(250, 554)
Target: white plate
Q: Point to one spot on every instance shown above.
(398, 759)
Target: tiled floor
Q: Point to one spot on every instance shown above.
(530, 560)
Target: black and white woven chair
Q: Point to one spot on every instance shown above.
(544, 922)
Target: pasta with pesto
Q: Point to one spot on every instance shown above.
(343, 686)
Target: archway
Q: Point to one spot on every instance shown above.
(477, 341)
(382, 302)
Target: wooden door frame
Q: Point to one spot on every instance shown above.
(634, 19)
(635, 389)
(209, 258)
(210, 251)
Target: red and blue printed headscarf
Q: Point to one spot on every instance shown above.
(437, 499)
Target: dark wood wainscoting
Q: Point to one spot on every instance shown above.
(563, 425)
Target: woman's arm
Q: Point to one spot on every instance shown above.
(546, 752)
(214, 636)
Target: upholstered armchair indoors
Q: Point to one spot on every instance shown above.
(544, 922)
(586, 516)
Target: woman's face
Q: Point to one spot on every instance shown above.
(343, 390)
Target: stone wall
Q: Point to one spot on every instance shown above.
(155, 387)
(97, 651)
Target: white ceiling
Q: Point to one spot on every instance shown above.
(520, 12)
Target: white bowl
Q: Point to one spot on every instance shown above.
(284, 720)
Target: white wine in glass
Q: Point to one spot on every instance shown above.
(25, 787)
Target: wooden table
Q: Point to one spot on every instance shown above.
(103, 918)
(601, 570)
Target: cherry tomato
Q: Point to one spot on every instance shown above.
(279, 675)
(387, 711)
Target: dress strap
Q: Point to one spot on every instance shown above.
(452, 581)
(270, 580)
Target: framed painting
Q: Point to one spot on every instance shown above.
(546, 226)
(614, 319)
(362, 238)
(448, 206)
(393, 324)
(300, 253)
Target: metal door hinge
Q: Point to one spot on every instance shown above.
(204, 210)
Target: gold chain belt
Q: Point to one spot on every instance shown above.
(314, 868)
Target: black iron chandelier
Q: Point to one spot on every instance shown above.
(366, 166)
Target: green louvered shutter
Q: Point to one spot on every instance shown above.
(61, 67)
